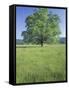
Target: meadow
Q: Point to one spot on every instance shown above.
(40, 64)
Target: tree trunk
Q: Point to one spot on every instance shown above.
(41, 43)
(41, 40)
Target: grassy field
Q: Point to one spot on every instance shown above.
(40, 64)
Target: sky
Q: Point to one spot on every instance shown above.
(23, 12)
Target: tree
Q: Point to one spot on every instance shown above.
(42, 27)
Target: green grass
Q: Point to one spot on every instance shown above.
(40, 64)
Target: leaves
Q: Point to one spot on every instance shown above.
(42, 26)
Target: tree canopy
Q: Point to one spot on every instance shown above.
(42, 27)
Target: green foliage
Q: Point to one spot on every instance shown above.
(36, 64)
(42, 27)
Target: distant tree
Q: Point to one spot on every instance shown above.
(42, 27)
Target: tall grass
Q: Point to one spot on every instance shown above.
(40, 64)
